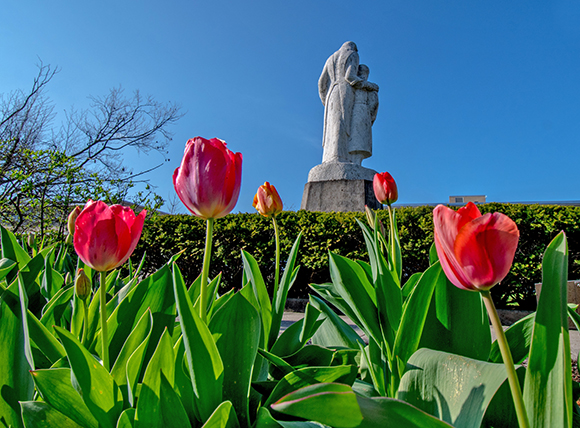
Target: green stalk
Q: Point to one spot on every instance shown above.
(391, 233)
(205, 270)
(277, 274)
(86, 323)
(104, 334)
(507, 360)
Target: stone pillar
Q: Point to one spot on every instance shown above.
(337, 186)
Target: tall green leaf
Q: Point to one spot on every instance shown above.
(413, 319)
(279, 300)
(236, 329)
(548, 383)
(457, 323)
(37, 414)
(253, 274)
(96, 386)
(206, 368)
(148, 413)
(54, 386)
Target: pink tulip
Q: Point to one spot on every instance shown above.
(105, 237)
(267, 200)
(385, 188)
(209, 178)
(476, 252)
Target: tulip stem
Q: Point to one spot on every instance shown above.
(104, 335)
(205, 271)
(507, 360)
(86, 323)
(277, 273)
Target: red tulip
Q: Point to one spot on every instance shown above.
(476, 252)
(105, 237)
(385, 188)
(267, 200)
(209, 178)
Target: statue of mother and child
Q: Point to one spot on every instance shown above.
(350, 107)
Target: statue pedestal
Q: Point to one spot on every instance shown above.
(339, 195)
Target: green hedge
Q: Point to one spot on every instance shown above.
(339, 233)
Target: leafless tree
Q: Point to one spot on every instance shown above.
(44, 169)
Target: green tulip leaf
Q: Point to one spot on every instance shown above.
(548, 383)
(183, 382)
(11, 249)
(43, 340)
(52, 314)
(37, 414)
(351, 283)
(333, 332)
(174, 414)
(224, 416)
(279, 300)
(265, 420)
(6, 266)
(54, 385)
(96, 386)
(134, 368)
(311, 376)
(236, 330)
(413, 319)
(154, 294)
(127, 419)
(139, 334)
(519, 338)
(148, 413)
(451, 387)
(389, 412)
(298, 334)
(332, 404)
(457, 323)
(205, 365)
(253, 274)
(15, 378)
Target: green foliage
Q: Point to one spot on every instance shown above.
(338, 232)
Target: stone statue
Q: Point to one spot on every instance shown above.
(342, 85)
(340, 182)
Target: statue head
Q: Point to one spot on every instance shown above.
(351, 46)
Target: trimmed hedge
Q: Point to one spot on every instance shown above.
(338, 232)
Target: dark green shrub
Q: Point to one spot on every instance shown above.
(339, 233)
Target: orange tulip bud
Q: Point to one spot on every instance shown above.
(476, 252)
(267, 200)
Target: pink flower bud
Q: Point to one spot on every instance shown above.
(209, 179)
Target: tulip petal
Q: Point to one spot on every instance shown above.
(485, 247)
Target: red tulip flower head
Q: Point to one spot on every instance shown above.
(385, 188)
(106, 236)
(476, 252)
(209, 178)
(267, 200)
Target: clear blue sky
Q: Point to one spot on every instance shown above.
(475, 97)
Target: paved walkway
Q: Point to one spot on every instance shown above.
(292, 317)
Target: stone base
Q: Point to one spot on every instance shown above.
(331, 171)
(339, 195)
